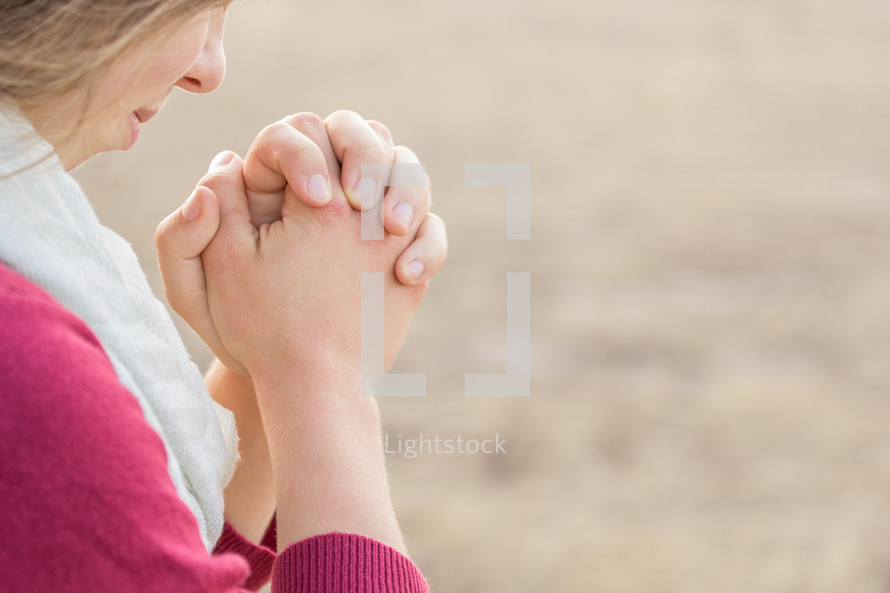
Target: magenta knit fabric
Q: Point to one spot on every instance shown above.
(86, 503)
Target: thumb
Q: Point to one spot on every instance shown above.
(180, 239)
(186, 233)
(225, 180)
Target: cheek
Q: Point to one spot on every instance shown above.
(151, 70)
(186, 46)
(174, 61)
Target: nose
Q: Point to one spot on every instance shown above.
(207, 73)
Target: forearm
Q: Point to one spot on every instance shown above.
(329, 466)
(250, 495)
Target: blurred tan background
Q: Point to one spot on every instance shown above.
(709, 258)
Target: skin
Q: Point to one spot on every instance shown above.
(190, 58)
(288, 352)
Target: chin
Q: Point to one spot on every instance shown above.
(132, 131)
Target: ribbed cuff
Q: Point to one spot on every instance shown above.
(341, 563)
(259, 558)
(270, 539)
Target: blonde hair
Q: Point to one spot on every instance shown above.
(51, 47)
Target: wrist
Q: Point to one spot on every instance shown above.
(304, 406)
(250, 494)
(236, 392)
(330, 472)
(308, 377)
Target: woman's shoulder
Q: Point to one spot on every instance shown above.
(31, 318)
(50, 360)
(87, 498)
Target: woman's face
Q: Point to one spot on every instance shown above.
(134, 89)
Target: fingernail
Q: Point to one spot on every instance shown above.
(191, 210)
(318, 189)
(222, 159)
(366, 191)
(404, 212)
(415, 269)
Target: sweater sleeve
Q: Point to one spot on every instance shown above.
(332, 563)
(87, 503)
(344, 563)
(260, 558)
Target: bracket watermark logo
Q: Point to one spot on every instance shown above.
(516, 382)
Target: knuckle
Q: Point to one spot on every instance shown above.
(405, 154)
(439, 234)
(269, 133)
(436, 220)
(271, 138)
(160, 233)
(215, 180)
(369, 153)
(428, 199)
(366, 140)
(267, 139)
(340, 116)
(381, 130)
(283, 139)
(163, 230)
(305, 121)
(374, 153)
(438, 251)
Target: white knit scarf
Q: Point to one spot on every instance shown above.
(50, 234)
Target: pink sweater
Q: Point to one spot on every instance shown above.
(86, 503)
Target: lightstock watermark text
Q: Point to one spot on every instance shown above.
(411, 447)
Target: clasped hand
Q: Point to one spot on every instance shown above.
(264, 259)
